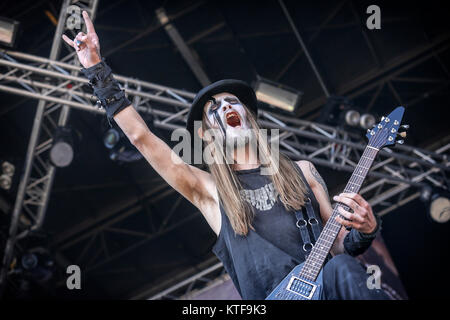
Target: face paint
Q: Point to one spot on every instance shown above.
(213, 111)
(228, 114)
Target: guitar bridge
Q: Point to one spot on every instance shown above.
(301, 287)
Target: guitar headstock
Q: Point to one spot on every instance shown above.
(388, 130)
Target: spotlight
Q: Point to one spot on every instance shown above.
(437, 201)
(277, 96)
(61, 153)
(6, 175)
(367, 121)
(340, 111)
(5, 182)
(440, 208)
(8, 31)
(121, 150)
(111, 138)
(37, 265)
(352, 118)
(29, 261)
(8, 168)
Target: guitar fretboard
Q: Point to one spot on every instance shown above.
(319, 252)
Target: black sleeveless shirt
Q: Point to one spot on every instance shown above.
(259, 261)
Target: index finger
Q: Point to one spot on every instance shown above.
(353, 195)
(88, 22)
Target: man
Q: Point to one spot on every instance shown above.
(251, 213)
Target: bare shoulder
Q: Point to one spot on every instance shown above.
(307, 168)
(313, 176)
(310, 172)
(304, 165)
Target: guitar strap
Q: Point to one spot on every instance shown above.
(302, 225)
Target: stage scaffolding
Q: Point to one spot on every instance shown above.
(36, 182)
(394, 180)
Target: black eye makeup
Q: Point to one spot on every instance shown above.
(232, 100)
(215, 104)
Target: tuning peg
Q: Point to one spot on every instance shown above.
(401, 141)
(405, 126)
(401, 134)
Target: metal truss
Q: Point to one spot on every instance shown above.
(36, 183)
(393, 180)
(388, 184)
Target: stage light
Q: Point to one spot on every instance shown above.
(352, 118)
(341, 111)
(8, 168)
(5, 182)
(37, 265)
(121, 150)
(437, 202)
(111, 138)
(6, 175)
(277, 96)
(367, 121)
(61, 153)
(440, 208)
(29, 261)
(8, 31)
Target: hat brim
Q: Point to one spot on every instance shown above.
(238, 88)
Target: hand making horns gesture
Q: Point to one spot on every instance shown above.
(86, 45)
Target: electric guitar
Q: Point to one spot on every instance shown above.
(304, 282)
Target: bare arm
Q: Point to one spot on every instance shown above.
(320, 191)
(194, 184)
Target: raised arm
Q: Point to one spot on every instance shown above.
(194, 184)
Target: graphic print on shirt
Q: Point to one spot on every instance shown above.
(263, 198)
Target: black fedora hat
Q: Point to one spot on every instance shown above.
(240, 89)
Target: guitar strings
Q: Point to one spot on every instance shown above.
(356, 179)
(359, 179)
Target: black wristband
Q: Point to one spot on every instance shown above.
(106, 88)
(356, 243)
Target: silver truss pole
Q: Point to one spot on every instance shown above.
(38, 196)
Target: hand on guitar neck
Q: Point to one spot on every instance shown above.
(362, 217)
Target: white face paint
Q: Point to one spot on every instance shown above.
(233, 116)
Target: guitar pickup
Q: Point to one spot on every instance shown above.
(301, 287)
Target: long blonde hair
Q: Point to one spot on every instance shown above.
(289, 186)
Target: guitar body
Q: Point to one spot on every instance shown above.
(294, 288)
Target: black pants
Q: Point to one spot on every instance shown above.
(345, 278)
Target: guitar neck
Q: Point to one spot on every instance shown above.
(319, 252)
